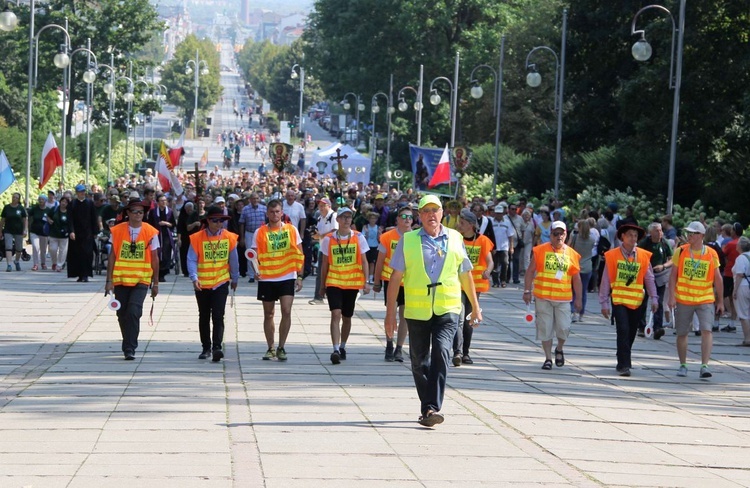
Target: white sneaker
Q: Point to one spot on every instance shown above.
(573, 318)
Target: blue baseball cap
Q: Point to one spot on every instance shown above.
(80, 187)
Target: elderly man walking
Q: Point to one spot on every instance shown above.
(554, 272)
(435, 268)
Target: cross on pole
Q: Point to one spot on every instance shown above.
(340, 173)
(197, 174)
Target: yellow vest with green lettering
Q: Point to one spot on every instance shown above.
(421, 301)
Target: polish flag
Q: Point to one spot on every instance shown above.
(442, 174)
(51, 160)
(167, 179)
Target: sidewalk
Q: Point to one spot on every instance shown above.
(74, 414)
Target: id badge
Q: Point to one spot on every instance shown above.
(559, 275)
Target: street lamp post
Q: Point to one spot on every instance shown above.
(128, 97)
(435, 98)
(89, 76)
(477, 92)
(642, 51)
(359, 108)
(145, 97)
(161, 91)
(62, 60)
(375, 110)
(534, 79)
(196, 68)
(301, 77)
(418, 105)
(109, 89)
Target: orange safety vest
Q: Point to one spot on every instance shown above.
(548, 263)
(695, 275)
(477, 249)
(345, 263)
(389, 240)
(213, 256)
(131, 269)
(621, 272)
(278, 253)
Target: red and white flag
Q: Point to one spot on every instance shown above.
(442, 174)
(51, 160)
(167, 179)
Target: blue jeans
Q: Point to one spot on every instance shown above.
(430, 367)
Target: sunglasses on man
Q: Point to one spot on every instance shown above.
(406, 216)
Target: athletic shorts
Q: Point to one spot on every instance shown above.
(372, 255)
(270, 291)
(343, 300)
(399, 300)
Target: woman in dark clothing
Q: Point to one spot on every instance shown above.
(187, 223)
(60, 227)
(162, 218)
(311, 214)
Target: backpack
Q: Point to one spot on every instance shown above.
(603, 245)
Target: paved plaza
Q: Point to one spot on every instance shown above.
(74, 414)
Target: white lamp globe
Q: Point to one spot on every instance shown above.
(533, 79)
(62, 60)
(476, 91)
(641, 50)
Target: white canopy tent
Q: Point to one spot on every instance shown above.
(356, 165)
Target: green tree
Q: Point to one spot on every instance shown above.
(181, 86)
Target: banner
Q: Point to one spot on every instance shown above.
(51, 160)
(424, 164)
(6, 173)
(167, 179)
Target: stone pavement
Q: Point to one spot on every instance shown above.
(74, 414)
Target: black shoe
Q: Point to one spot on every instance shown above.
(658, 334)
(205, 354)
(624, 371)
(430, 419)
(335, 357)
(456, 359)
(162, 280)
(398, 355)
(342, 353)
(79, 280)
(697, 333)
(729, 328)
(129, 355)
(641, 333)
(217, 355)
(251, 280)
(389, 356)
(467, 359)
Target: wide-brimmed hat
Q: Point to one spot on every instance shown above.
(137, 203)
(626, 227)
(214, 212)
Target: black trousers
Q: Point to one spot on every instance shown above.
(464, 332)
(129, 316)
(627, 321)
(211, 306)
(184, 246)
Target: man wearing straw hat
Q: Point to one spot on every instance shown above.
(132, 266)
(213, 266)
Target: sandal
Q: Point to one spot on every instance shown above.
(35, 268)
(745, 344)
(547, 364)
(559, 358)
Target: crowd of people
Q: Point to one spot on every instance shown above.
(279, 229)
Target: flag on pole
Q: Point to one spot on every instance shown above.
(442, 173)
(6, 173)
(51, 160)
(167, 179)
(204, 160)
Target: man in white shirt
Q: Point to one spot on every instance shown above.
(295, 211)
(504, 244)
(327, 223)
